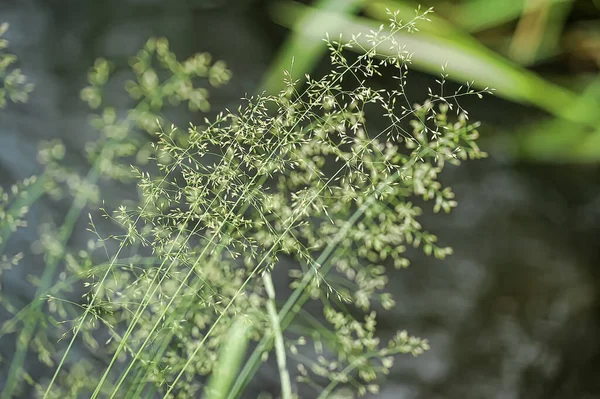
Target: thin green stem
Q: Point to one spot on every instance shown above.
(284, 375)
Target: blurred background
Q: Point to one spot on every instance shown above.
(515, 312)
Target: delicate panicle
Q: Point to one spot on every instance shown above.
(316, 185)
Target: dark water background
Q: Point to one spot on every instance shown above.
(513, 314)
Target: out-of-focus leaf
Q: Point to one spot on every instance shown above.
(558, 140)
(478, 15)
(470, 15)
(538, 33)
(230, 359)
(466, 60)
(306, 50)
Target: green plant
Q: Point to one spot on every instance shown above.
(498, 58)
(14, 203)
(15, 86)
(294, 183)
(120, 139)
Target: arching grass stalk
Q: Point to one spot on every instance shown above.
(348, 69)
(260, 263)
(199, 258)
(375, 195)
(272, 220)
(292, 220)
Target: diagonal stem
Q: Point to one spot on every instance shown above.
(284, 375)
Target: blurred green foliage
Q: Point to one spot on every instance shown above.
(13, 84)
(495, 43)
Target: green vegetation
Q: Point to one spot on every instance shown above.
(470, 37)
(296, 183)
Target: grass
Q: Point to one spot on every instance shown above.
(451, 40)
(297, 182)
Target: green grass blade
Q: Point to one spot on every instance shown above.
(478, 15)
(466, 60)
(230, 359)
(492, 13)
(284, 375)
(306, 50)
(557, 140)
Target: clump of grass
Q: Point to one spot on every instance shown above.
(298, 183)
(122, 139)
